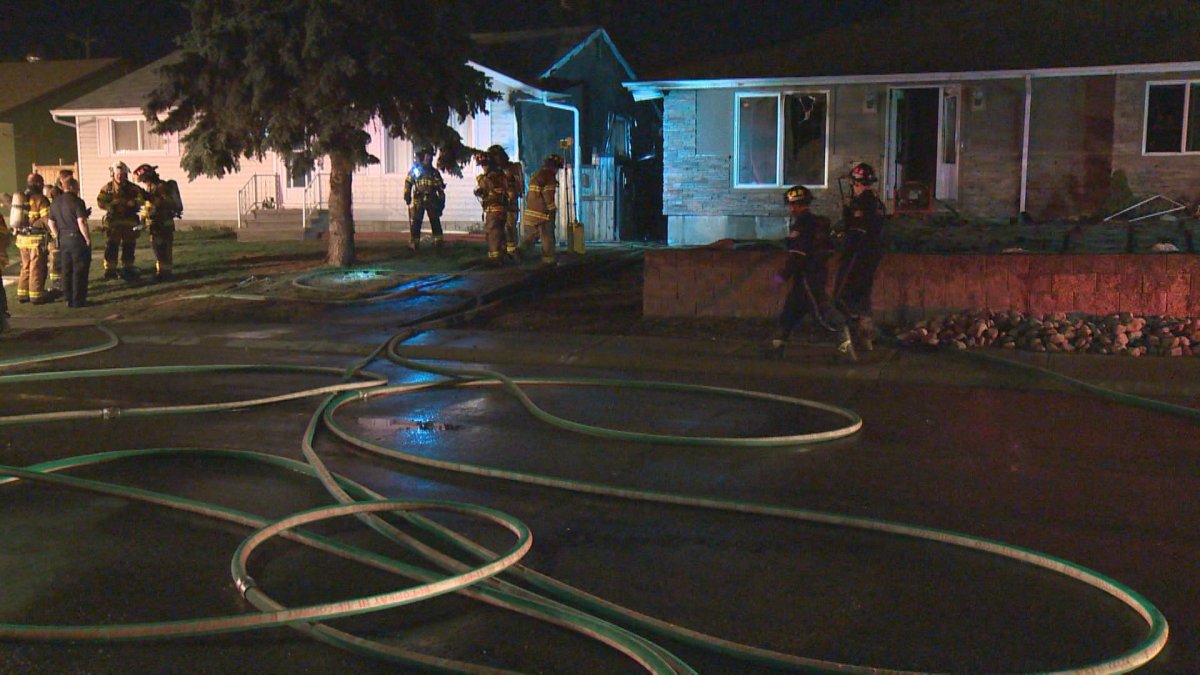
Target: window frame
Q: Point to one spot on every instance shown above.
(143, 133)
(1188, 91)
(780, 136)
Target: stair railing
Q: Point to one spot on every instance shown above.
(314, 197)
(261, 191)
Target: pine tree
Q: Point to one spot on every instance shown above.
(303, 78)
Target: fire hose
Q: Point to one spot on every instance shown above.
(453, 573)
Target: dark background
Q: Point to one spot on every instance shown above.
(648, 32)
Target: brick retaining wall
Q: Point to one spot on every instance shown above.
(711, 282)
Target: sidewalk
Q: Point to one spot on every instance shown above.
(353, 332)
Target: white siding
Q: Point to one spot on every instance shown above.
(378, 194)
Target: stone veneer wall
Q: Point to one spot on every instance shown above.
(709, 282)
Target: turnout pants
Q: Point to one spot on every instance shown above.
(806, 297)
(119, 238)
(31, 284)
(162, 242)
(493, 225)
(539, 228)
(416, 215)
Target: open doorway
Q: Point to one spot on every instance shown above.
(923, 144)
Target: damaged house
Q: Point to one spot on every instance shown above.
(553, 84)
(990, 109)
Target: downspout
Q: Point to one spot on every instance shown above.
(54, 116)
(1025, 144)
(578, 157)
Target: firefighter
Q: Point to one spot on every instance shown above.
(515, 174)
(541, 207)
(863, 219)
(424, 194)
(5, 238)
(123, 201)
(158, 213)
(492, 190)
(809, 250)
(33, 241)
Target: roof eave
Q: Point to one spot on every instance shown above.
(649, 90)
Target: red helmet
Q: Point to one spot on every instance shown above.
(863, 174)
(145, 172)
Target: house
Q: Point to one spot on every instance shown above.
(990, 108)
(29, 89)
(534, 73)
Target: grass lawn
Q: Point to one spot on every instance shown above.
(214, 261)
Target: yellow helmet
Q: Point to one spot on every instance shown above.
(798, 194)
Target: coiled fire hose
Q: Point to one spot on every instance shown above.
(364, 504)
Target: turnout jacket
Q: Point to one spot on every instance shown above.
(541, 201)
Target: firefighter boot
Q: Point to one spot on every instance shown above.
(775, 349)
(864, 333)
(845, 348)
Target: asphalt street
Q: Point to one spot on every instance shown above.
(1006, 454)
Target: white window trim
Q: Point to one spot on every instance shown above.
(162, 150)
(780, 97)
(1187, 100)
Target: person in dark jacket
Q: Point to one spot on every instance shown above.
(69, 225)
(863, 217)
(807, 266)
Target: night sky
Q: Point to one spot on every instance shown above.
(648, 32)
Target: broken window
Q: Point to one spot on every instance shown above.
(1172, 118)
(781, 139)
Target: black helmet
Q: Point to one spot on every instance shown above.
(498, 154)
(798, 194)
(555, 161)
(425, 151)
(145, 172)
(863, 174)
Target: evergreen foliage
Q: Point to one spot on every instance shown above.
(303, 78)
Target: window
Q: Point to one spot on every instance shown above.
(781, 139)
(134, 136)
(397, 154)
(1172, 118)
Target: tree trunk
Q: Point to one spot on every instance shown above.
(341, 212)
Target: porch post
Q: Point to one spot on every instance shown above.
(1025, 142)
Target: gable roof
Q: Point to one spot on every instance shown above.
(22, 81)
(956, 36)
(534, 55)
(513, 59)
(127, 92)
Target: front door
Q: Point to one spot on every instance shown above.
(923, 140)
(292, 185)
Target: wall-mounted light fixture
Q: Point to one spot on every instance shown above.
(871, 102)
(978, 100)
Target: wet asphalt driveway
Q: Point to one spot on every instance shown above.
(1109, 487)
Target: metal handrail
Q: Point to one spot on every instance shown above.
(253, 195)
(314, 198)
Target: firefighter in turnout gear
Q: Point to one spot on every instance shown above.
(33, 241)
(863, 217)
(123, 201)
(5, 238)
(515, 174)
(541, 208)
(492, 190)
(425, 195)
(809, 250)
(162, 206)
